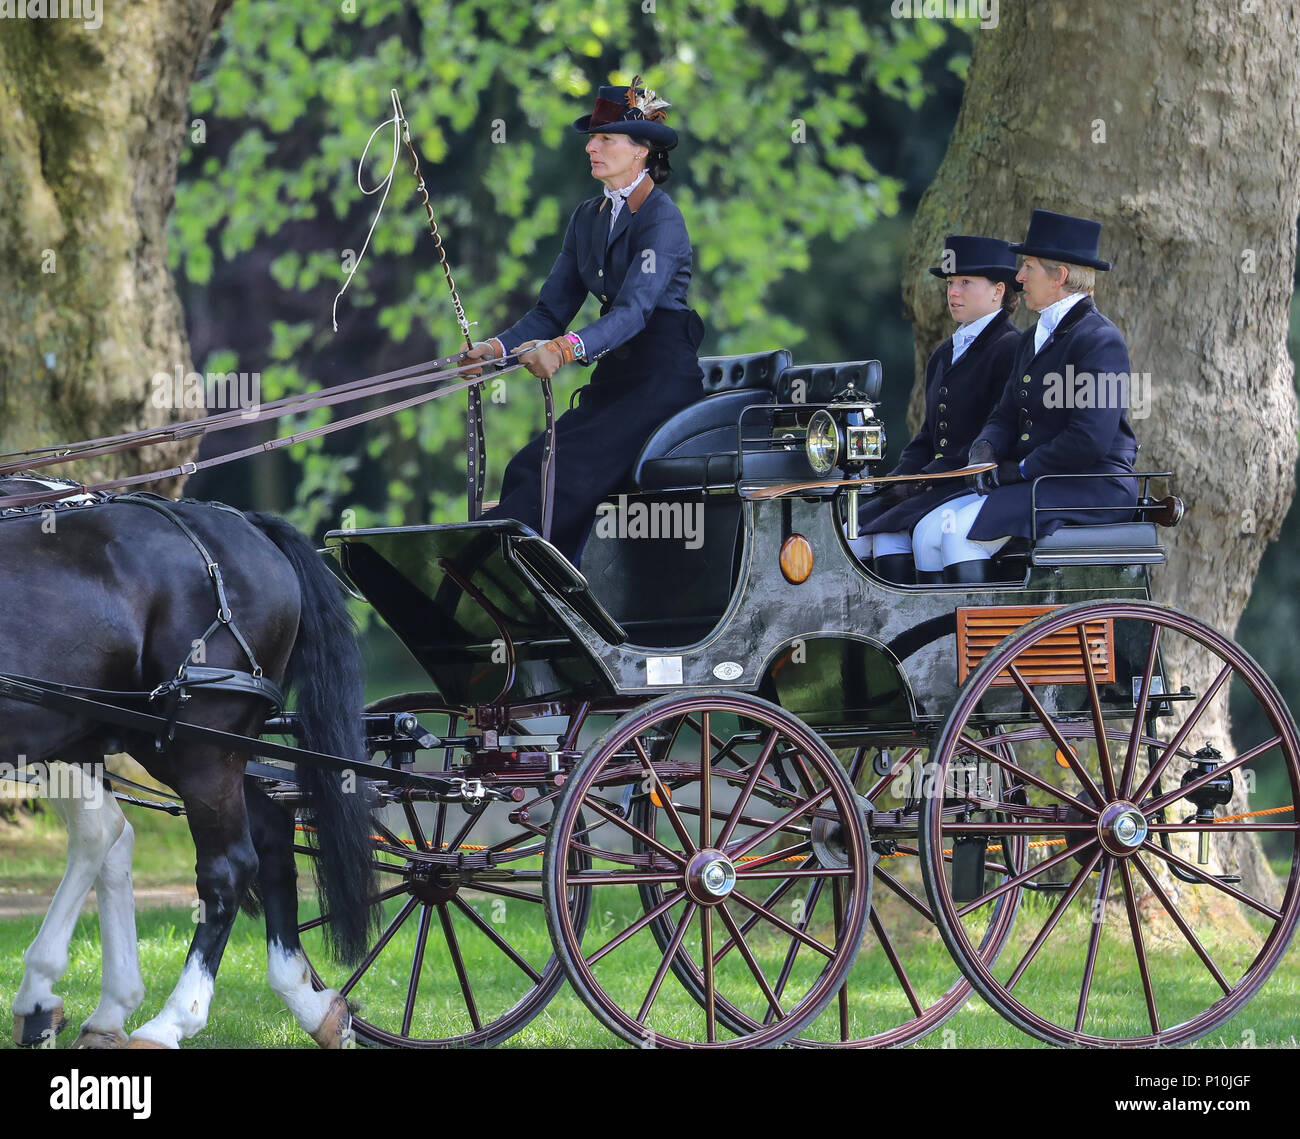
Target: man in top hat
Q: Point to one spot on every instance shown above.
(628, 246)
(1062, 412)
(963, 380)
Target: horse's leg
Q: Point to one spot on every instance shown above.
(324, 1016)
(79, 799)
(210, 783)
(121, 987)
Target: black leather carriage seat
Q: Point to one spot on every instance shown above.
(697, 447)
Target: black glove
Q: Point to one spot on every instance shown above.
(982, 452)
(896, 492)
(1009, 472)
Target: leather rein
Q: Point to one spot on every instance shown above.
(447, 368)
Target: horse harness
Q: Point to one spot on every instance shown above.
(174, 693)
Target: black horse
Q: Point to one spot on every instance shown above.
(116, 595)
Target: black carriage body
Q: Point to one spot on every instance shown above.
(495, 615)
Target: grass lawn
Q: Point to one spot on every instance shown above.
(246, 1014)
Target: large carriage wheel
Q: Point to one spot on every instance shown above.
(903, 984)
(751, 799)
(464, 957)
(1156, 907)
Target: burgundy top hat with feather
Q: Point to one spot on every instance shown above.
(630, 110)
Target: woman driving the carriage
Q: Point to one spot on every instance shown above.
(628, 247)
(1062, 412)
(963, 380)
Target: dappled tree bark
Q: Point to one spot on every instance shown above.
(1178, 128)
(92, 123)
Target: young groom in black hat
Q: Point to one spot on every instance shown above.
(1062, 412)
(964, 377)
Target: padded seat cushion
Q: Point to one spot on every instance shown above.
(706, 428)
(1121, 534)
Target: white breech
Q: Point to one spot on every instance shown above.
(939, 538)
(878, 545)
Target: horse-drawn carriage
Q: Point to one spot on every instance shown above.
(736, 789)
(691, 777)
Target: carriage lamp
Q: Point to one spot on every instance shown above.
(1216, 793)
(845, 434)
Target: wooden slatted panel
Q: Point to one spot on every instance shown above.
(1053, 660)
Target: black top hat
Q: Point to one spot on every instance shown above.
(979, 257)
(1059, 237)
(639, 113)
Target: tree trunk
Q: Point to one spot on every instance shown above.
(92, 121)
(1177, 128)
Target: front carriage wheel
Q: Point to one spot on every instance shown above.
(463, 958)
(754, 811)
(1161, 886)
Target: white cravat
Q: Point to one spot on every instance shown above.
(965, 335)
(618, 197)
(1051, 316)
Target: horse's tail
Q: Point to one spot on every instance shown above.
(325, 673)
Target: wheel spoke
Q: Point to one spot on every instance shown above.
(637, 926)
(968, 744)
(417, 967)
(463, 833)
(787, 966)
(665, 798)
(399, 847)
(706, 950)
(500, 942)
(781, 855)
(753, 919)
(903, 892)
(382, 896)
(1046, 720)
(417, 831)
(1183, 732)
(783, 925)
(1098, 724)
(1021, 879)
(1094, 940)
(1210, 880)
(1140, 714)
(739, 939)
(673, 946)
(1139, 945)
(706, 813)
(1058, 912)
(506, 892)
(614, 878)
(896, 769)
(459, 964)
(896, 962)
(1181, 923)
(732, 819)
(772, 828)
(378, 947)
(635, 831)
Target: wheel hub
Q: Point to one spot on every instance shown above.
(1122, 828)
(432, 887)
(710, 877)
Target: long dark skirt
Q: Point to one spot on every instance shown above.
(633, 390)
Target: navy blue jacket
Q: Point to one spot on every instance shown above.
(958, 399)
(1048, 421)
(646, 265)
